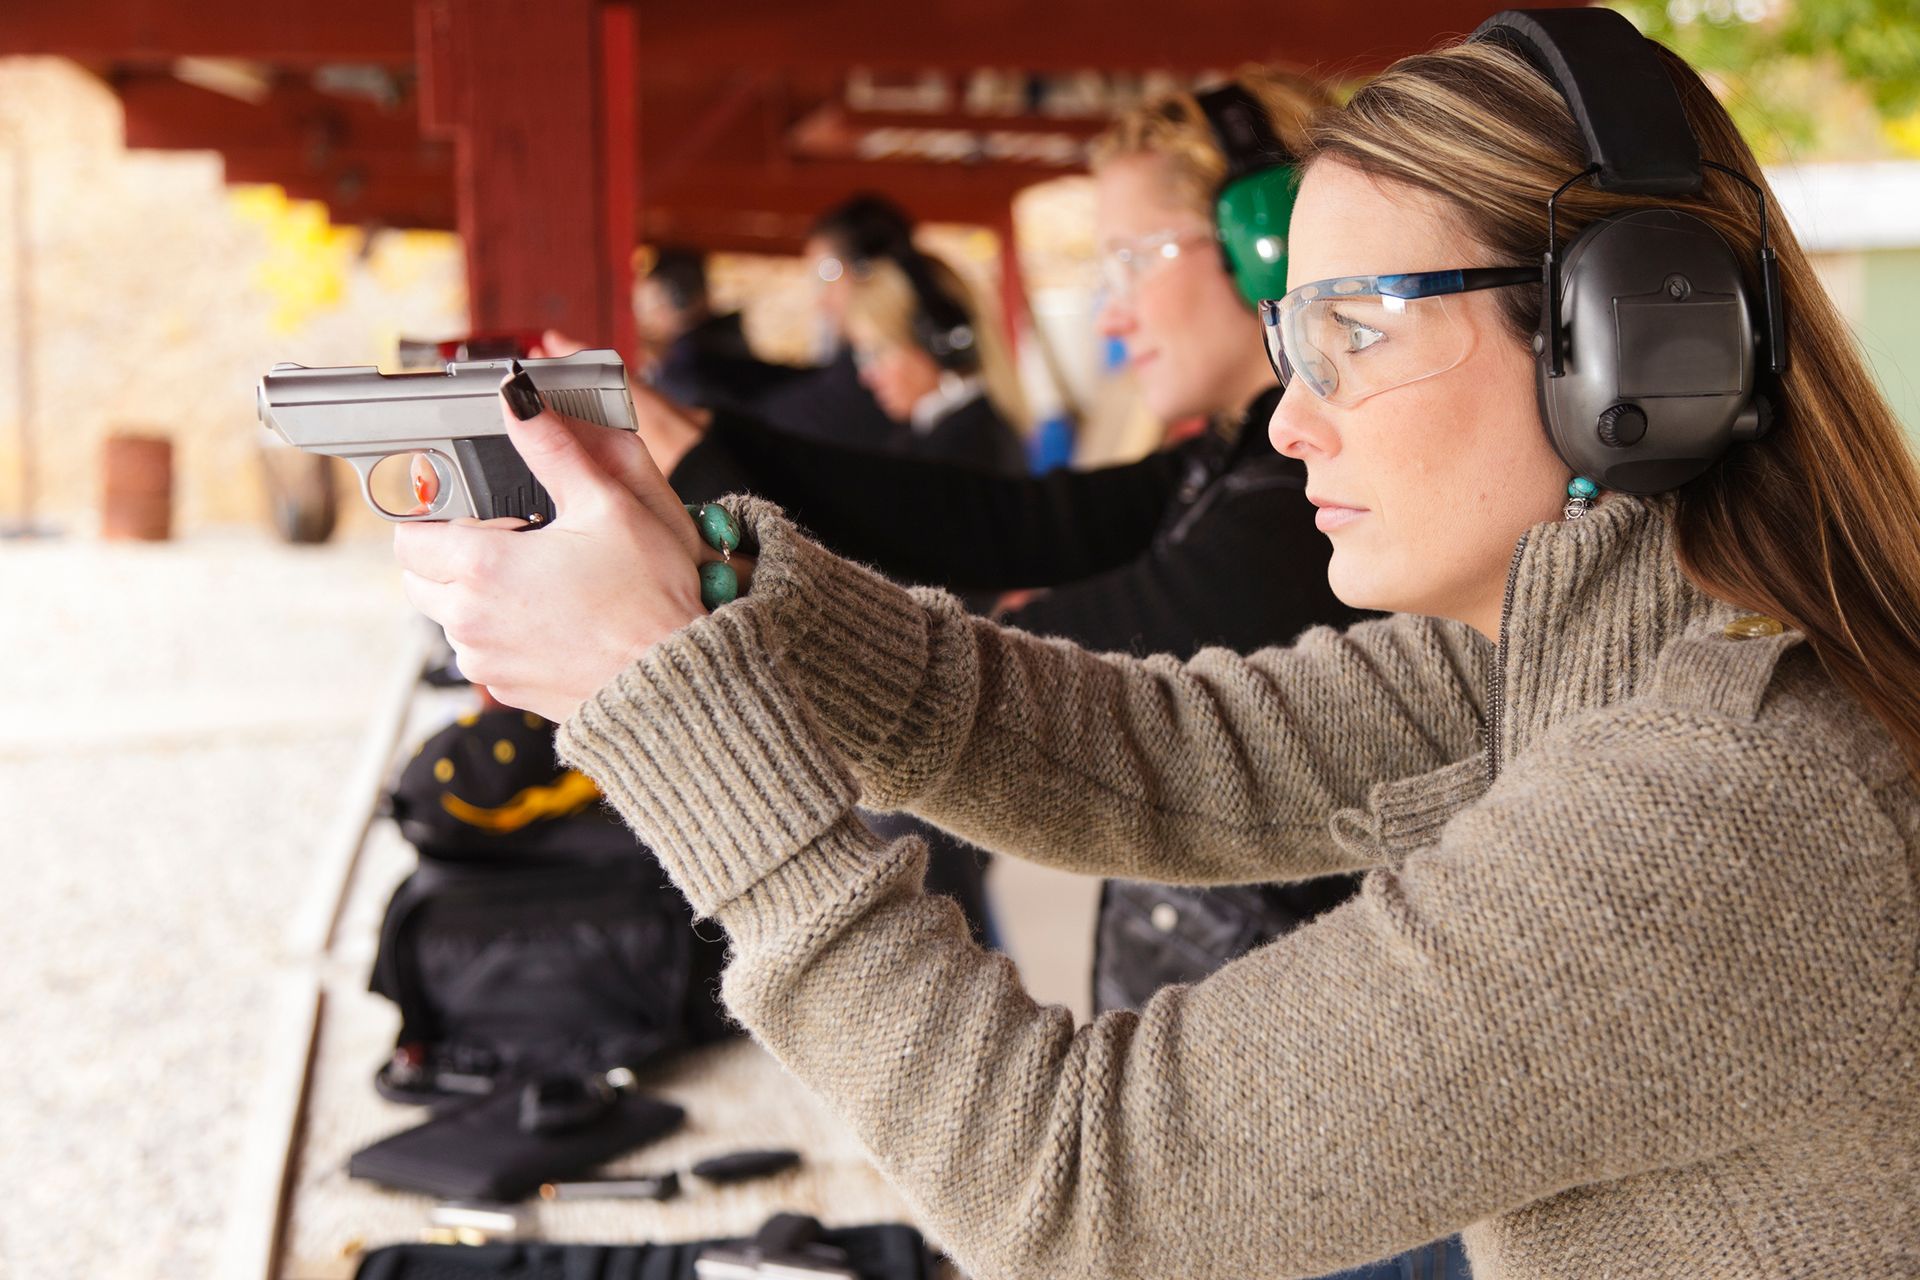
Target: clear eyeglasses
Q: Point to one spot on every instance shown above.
(1127, 262)
(1355, 336)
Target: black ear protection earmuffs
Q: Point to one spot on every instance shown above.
(1255, 201)
(940, 324)
(1650, 340)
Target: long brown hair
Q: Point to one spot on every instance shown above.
(1817, 524)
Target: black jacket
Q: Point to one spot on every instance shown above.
(1211, 542)
(971, 434)
(711, 365)
(1208, 543)
(829, 405)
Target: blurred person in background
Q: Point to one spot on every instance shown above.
(699, 358)
(831, 403)
(934, 360)
(1124, 553)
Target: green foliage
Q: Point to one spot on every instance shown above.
(1802, 77)
(1877, 43)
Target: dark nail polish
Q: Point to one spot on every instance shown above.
(518, 388)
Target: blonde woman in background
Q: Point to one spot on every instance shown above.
(934, 360)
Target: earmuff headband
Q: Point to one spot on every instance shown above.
(1648, 345)
(941, 324)
(1254, 202)
(1240, 126)
(1623, 100)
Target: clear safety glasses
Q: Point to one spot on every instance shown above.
(1126, 263)
(1357, 336)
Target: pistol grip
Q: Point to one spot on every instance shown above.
(499, 481)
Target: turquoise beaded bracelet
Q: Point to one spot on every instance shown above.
(719, 584)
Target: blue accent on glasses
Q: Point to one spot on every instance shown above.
(1403, 285)
(1414, 284)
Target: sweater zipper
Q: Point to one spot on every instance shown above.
(1496, 686)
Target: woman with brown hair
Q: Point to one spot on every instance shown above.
(1629, 989)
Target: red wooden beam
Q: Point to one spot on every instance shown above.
(1014, 304)
(817, 185)
(957, 35)
(776, 225)
(775, 35)
(726, 230)
(160, 30)
(273, 164)
(620, 194)
(385, 183)
(164, 113)
(381, 200)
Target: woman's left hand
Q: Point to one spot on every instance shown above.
(543, 619)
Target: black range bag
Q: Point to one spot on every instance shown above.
(502, 1147)
(537, 936)
(889, 1251)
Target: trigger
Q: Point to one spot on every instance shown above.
(426, 480)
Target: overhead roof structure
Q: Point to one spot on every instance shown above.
(554, 135)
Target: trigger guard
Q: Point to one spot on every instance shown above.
(451, 482)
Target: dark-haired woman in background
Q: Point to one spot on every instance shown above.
(829, 403)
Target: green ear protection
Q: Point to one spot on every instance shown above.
(1255, 202)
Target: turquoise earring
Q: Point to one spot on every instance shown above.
(1580, 495)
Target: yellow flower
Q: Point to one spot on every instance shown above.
(1904, 133)
(307, 258)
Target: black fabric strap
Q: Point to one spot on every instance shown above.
(1618, 91)
(1240, 127)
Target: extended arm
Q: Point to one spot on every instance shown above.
(935, 522)
(1482, 1028)
(1244, 569)
(1223, 769)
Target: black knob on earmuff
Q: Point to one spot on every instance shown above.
(1622, 425)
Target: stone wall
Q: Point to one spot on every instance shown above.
(155, 295)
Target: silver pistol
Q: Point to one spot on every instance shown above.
(451, 420)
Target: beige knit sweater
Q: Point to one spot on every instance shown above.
(1630, 996)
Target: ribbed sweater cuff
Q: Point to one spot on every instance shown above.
(1409, 813)
(735, 742)
(834, 880)
(887, 673)
(706, 751)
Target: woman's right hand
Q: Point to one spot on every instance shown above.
(545, 619)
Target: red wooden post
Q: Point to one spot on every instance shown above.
(541, 103)
(620, 147)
